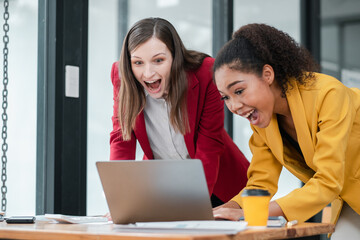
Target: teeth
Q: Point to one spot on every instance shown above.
(150, 81)
(247, 115)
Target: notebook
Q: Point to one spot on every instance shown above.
(155, 190)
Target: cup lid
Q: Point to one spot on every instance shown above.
(255, 192)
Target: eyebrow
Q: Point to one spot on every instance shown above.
(161, 53)
(233, 83)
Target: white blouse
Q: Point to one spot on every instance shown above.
(165, 142)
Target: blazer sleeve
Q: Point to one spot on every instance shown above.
(209, 142)
(264, 170)
(119, 149)
(335, 118)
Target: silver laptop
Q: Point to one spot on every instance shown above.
(155, 190)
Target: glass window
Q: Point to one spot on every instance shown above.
(330, 50)
(102, 52)
(192, 19)
(350, 72)
(331, 9)
(340, 37)
(284, 15)
(21, 111)
(351, 45)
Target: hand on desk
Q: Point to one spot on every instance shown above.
(230, 211)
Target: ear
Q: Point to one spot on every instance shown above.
(268, 74)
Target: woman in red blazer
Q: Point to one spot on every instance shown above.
(170, 104)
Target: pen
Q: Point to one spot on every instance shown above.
(292, 223)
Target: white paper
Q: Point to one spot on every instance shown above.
(76, 219)
(233, 226)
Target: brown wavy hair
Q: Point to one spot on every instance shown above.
(254, 45)
(131, 93)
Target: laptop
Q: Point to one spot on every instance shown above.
(155, 190)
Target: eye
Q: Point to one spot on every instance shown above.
(137, 62)
(159, 60)
(238, 92)
(224, 98)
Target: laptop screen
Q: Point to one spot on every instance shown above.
(155, 190)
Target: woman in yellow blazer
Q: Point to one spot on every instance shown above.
(304, 121)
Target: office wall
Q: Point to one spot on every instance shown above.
(21, 111)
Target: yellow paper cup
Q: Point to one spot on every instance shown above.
(256, 206)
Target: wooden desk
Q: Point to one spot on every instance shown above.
(55, 231)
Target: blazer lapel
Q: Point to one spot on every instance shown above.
(192, 109)
(302, 129)
(274, 139)
(140, 133)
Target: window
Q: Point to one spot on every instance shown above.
(340, 37)
(21, 111)
(195, 29)
(284, 15)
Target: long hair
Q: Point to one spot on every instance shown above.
(131, 93)
(254, 45)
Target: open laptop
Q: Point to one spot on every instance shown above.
(155, 190)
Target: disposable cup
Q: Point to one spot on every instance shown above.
(256, 206)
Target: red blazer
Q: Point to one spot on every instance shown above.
(224, 164)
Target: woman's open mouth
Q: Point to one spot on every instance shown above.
(252, 116)
(154, 85)
(248, 115)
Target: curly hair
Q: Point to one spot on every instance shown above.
(254, 45)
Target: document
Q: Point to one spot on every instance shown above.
(227, 227)
(278, 221)
(76, 219)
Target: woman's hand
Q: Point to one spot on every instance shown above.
(230, 211)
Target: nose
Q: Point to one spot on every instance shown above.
(148, 71)
(235, 105)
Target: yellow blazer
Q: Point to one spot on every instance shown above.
(326, 115)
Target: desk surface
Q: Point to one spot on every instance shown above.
(56, 231)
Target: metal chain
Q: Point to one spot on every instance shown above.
(4, 106)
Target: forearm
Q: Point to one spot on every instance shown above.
(275, 210)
